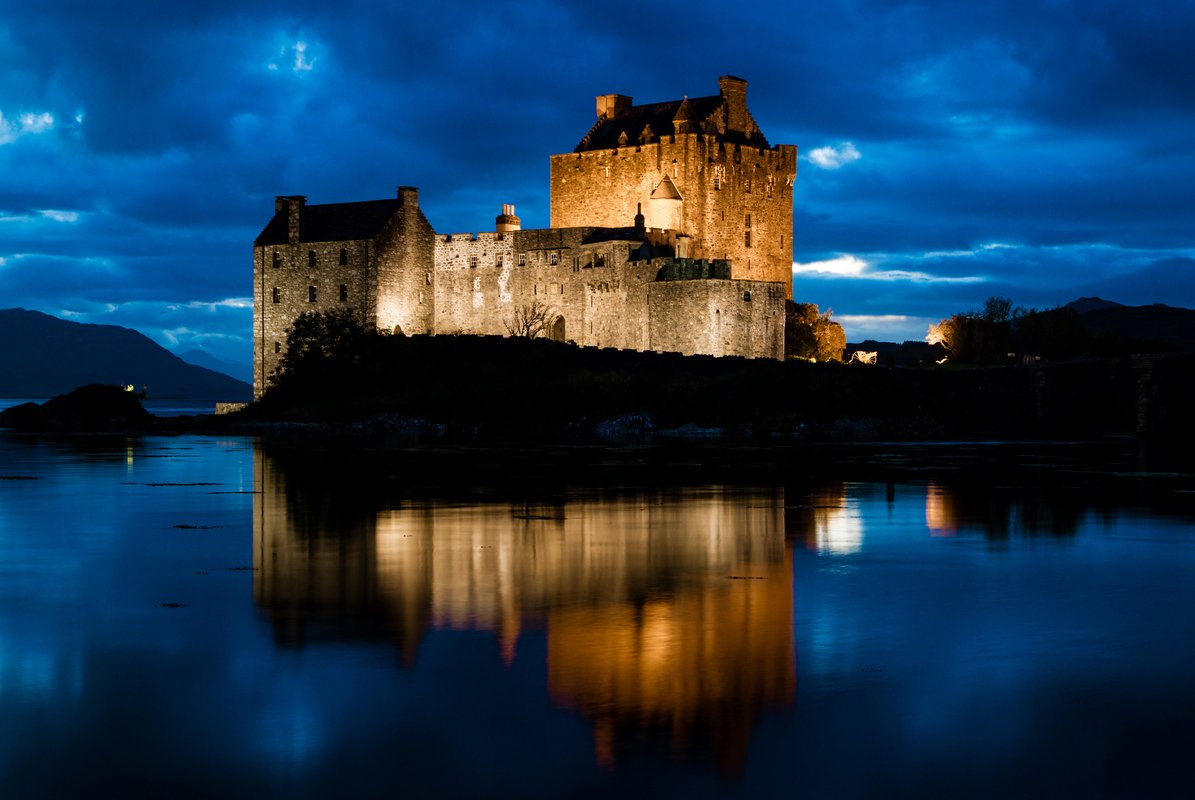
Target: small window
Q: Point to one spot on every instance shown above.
(599, 261)
(498, 261)
(277, 295)
(277, 259)
(747, 296)
(311, 258)
(522, 259)
(427, 278)
(717, 183)
(344, 292)
(472, 262)
(747, 186)
(553, 259)
(746, 238)
(748, 222)
(576, 263)
(310, 294)
(277, 347)
(344, 257)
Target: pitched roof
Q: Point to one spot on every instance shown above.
(332, 222)
(702, 115)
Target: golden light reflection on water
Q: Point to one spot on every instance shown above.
(666, 616)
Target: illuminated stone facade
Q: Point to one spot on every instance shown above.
(671, 231)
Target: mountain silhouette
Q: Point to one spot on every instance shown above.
(43, 356)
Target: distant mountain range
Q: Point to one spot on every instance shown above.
(1155, 328)
(202, 358)
(43, 356)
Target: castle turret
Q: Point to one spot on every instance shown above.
(507, 221)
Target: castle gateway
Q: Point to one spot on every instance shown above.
(671, 230)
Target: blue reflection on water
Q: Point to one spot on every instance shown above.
(191, 617)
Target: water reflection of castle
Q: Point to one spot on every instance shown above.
(670, 615)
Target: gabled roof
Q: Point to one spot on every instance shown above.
(333, 222)
(695, 114)
(666, 190)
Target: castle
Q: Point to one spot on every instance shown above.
(671, 230)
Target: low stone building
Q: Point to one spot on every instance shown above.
(676, 237)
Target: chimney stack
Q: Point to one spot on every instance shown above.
(507, 221)
(408, 196)
(610, 106)
(734, 95)
(293, 204)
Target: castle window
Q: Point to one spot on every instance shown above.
(310, 294)
(717, 182)
(277, 347)
(344, 292)
(427, 278)
(277, 295)
(553, 259)
(498, 260)
(522, 259)
(746, 238)
(576, 263)
(344, 257)
(311, 258)
(599, 261)
(277, 260)
(747, 296)
(748, 226)
(747, 186)
(472, 262)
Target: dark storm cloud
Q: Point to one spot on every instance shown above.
(141, 144)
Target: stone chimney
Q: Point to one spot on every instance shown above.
(408, 196)
(610, 106)
(734, 95)
(293, 205)
(640, 222)
(507, 221)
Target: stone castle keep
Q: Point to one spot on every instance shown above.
(671, 230)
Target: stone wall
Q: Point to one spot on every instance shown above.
(737, 201)
(289, 279)
(717, 317)
(406, 261)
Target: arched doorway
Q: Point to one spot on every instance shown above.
(556, 332)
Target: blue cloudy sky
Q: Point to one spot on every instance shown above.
(950, 151)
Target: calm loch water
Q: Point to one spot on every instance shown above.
(200, 617)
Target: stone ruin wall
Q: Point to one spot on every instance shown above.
(605, 187)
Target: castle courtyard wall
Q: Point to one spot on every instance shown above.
(717, 317)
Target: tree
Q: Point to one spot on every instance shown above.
(323, 341)
(812, 335)
(529, 321)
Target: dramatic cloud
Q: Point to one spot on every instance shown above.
(834, 157)
(141, 146)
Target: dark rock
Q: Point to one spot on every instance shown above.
(91, 408)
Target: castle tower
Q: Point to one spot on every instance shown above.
(699, 166)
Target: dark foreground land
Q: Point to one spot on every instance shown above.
(501, 389)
